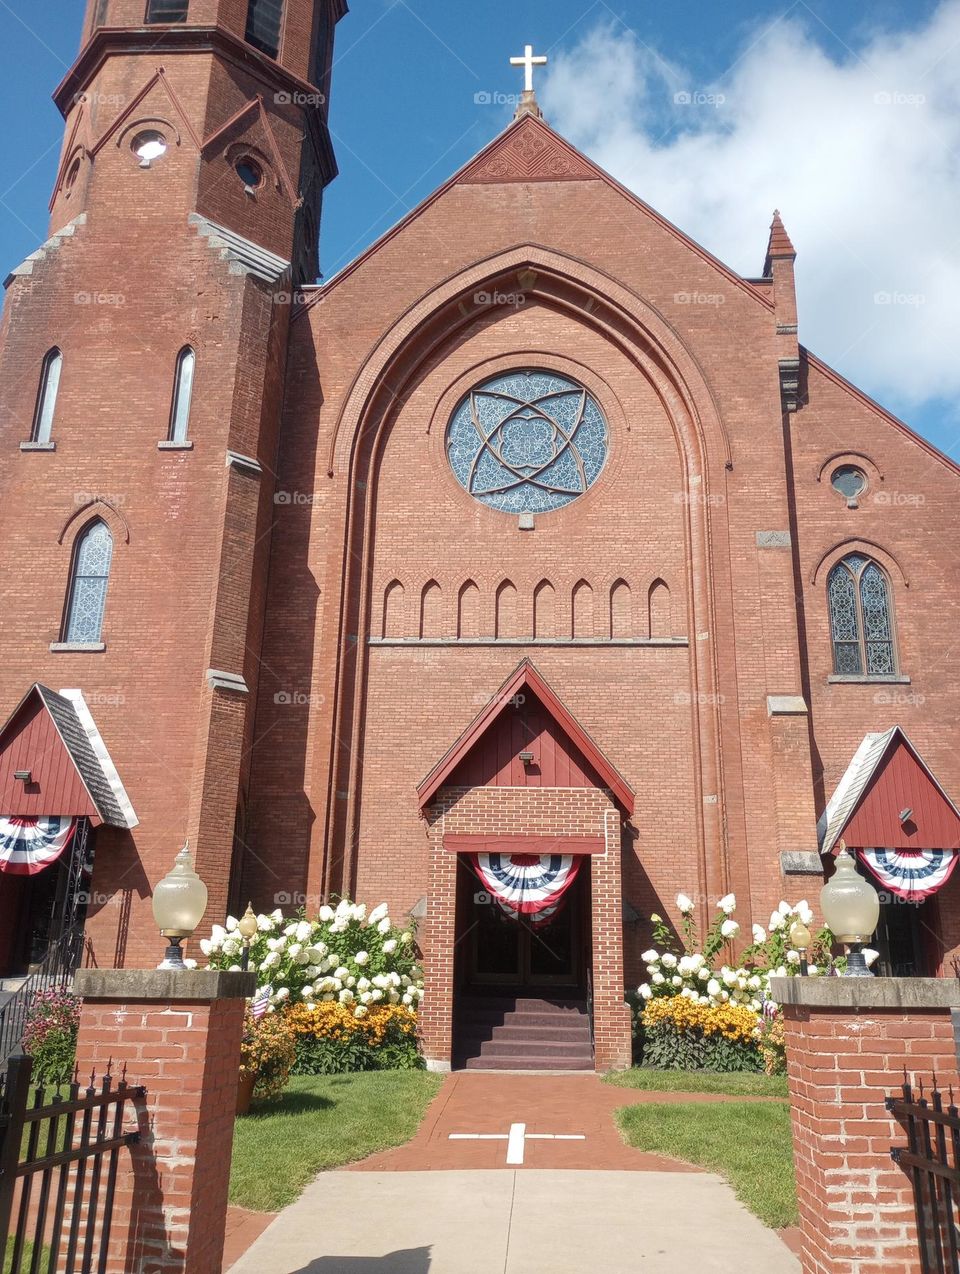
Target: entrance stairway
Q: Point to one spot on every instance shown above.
(525, 1032)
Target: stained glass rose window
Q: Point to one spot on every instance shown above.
(527, 442)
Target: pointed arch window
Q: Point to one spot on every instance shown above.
(47, 396)
(861, 618)
(182, 395)
(88, 584)
(263, 25)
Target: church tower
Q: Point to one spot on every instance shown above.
(143, 358)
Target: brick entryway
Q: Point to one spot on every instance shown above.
(471, 1102)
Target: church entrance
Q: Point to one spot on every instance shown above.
(510, 949)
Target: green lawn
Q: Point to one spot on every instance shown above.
(736, 1084)
(323, 1121)
(748, 1143)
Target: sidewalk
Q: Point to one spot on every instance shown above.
(517, 1222)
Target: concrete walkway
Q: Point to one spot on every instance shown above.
(525, 1222)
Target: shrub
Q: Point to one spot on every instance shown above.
(344, 956)
(682, 1034)
(773, 1046)
(269, 1049)
(331, 1039)
(50, 1035)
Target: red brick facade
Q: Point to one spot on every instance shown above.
(678, 608)
(856, 1205)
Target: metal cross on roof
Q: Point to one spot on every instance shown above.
(528, 62)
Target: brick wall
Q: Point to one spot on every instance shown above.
(844, 1060)
(171, 1200)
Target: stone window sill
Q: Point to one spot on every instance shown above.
(83, 647)
(38, 446)
(849, 679)
(167, 445)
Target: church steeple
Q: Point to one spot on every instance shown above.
(235, 91)
(528, 104)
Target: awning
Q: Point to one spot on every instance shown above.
(29, 845)
(894, 815)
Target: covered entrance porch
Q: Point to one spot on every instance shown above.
(523, 939)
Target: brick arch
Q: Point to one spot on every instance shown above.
(418, 340)
(98, 507)
(868, 548)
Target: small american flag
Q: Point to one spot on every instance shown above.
(261, 1002)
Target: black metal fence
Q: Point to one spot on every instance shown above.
(931, 1159)
(59, 1165)
(55, 973)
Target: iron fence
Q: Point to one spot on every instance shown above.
(931, 1159)
(69, 1147)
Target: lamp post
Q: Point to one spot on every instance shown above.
(851, 907)
(800, 939)
(247, 928)
(179, 901)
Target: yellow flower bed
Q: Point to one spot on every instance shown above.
(332, 1020)
(734, 1021)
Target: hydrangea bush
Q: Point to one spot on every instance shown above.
(691, 981)
(346, 955)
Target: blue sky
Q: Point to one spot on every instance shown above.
(843, 114)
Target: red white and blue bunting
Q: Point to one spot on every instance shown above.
(527, 883)
(910, 874)
(29, 845)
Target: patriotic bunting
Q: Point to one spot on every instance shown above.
(28, 845)
(527, 883)
(911, 875)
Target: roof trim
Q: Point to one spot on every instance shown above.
(526, 675)
(911, 434)
(530, 121)
(848, 793)
(113, 805)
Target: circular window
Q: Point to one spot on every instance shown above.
(527, 442)
(71, 178)
(149, 146)
(249, 172)
(849, 481)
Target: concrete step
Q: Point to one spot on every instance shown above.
(549, 1021)
(469, 1028)
(518, 1062)
(521, 1003)
(526, 1048)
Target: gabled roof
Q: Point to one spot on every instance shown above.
(85, 749)
(525, 676)
(525, 151)
(867, 763)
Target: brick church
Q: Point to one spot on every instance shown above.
(523, 574)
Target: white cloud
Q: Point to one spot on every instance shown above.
(861, 155)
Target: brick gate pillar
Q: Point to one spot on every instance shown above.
(848, 1043)
(439, 947)
(179, 1035)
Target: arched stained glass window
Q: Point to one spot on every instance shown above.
(88, 587)
(861, 622)
(527, 442)
(47, 396)
(182, 394)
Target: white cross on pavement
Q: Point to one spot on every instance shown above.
(516, 1139)
(528, 62)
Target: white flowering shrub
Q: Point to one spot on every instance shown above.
(345, 954)
(699, 972)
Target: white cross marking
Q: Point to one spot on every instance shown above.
(528, 62)
(516, 1138)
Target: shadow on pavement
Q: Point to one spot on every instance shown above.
(411, 1260)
